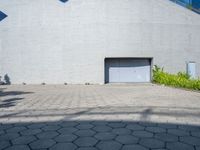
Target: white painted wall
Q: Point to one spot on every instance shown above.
(54, 42)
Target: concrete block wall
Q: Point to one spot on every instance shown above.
(54, 42)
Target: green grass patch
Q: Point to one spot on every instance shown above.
(180, 80)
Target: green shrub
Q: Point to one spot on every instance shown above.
(176, 80)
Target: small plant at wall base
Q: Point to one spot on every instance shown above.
(181, 80)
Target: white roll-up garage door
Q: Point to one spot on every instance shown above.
(127, 70)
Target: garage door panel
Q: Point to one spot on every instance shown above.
(128, 70)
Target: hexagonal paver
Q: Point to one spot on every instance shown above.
(109, 145)
(133, 147)
(15, 129)
(18, 147)
(152, 143)
(54, 123)
(4, 144)
(116, 124)
(121, 131)
(42, 143)
(68, 124)
(84, 126)
(102, 128)
(105, 136)
(99, 123)
(195, 134)
(67, 130)
(47, 135)
(167, 126)
(87, 148)
(64, 146)
(190, 140)
(30, 131)
(2, 132)
(166, 137)
(148, 124)
(179, 145)
(22, 140)
(85, 133)
(178, 132)
(9, 136)
(51, 128)
(197, 147)
(189, 128)
(65, 138)
(155, 129)
(5, 126)
(85, 141)
(134, 127)
(142, 134)
(127, 139)
(36, 126)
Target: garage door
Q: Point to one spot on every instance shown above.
(127, 70)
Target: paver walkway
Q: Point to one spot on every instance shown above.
(94, 117)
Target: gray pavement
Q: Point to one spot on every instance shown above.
(98, 117)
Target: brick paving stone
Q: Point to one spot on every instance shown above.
(142, 134)
(117, 125)
(105, 136)
(65, 138)
(18, 147)
(109, 105)
(9, 136)
(22, 140)
(67, 130)
(15, 129)
(121, 131)
(127, 139)
(195, 134)
(84, 126)
(179, 146)
(109, 145)
(166, 137)
(4, 144)
(51, 128)
(152, 143)
(155, 129)
(64, 146)
(178, 132)
(133, 147)
(85, 132)
(30, 131)
(190, 140)
(85, 141)
(135, 127)
(42, 144)
(102, 128)
(47, 135)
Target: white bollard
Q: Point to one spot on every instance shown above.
(191, 69)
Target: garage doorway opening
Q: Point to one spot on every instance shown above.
(128, 70)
